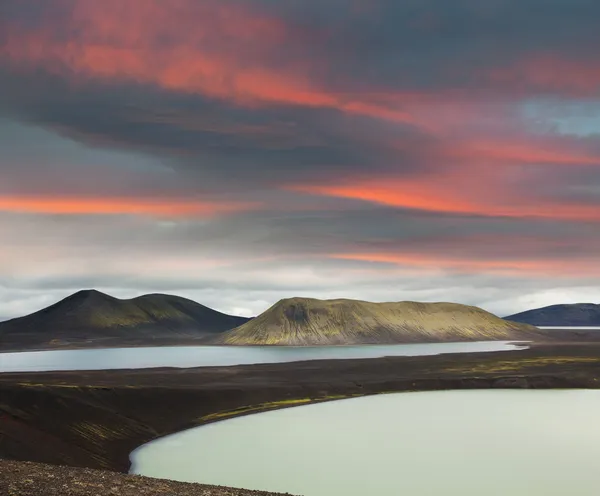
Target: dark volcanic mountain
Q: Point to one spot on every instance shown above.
(91, 319)
(307, 321)
(580, 314)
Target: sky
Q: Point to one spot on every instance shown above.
(245, 151)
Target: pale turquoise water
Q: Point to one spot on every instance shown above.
(571, 328)
(205, 356)
(450, 443)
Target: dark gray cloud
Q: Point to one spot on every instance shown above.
(213, 138)
(423, 44)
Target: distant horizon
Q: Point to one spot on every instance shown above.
(238, 152)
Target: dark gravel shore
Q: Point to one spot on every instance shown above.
(36, 479)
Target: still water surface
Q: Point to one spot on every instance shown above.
(450, 443)
(208, 356)
(571, 328)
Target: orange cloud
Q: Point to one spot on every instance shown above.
(516, 152)
(467, 192)
(554, 267)
(486, 176)
(395, 193)
(217, 49)
(150, 207)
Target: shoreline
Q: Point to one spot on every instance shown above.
(569, 335)
(96, 419)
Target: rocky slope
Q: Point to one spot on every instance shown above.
(307, 321)
(28, 479)
(91, 318)
(581, 314)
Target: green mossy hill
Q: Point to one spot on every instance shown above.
(307, 321)
(90, 315)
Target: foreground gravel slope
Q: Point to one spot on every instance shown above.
(35, 479)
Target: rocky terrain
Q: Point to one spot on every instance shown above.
(35, 479)
(580, 314)
(308, 321)
(94, 319)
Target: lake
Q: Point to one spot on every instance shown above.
(450, 443)
(570, 328)
(208, 356)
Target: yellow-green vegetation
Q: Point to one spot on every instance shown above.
(308, 321)
(109, 312)
(253, 409)
(60, 385)
(520, 364)
(97, 433)
(272, 405)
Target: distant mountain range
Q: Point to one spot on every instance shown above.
(92, 319)
(307, 321)
(580, 314)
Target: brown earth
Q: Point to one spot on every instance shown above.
(34, 479)
(95, 419)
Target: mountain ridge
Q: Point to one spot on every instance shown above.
(91, 316)
(567, 314)
(309, 321)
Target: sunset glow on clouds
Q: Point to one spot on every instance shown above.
(114, 206)
(392, 150)
(215, 49)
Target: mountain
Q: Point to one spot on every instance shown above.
(307, 321)
(90, 318)
(580, 314)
